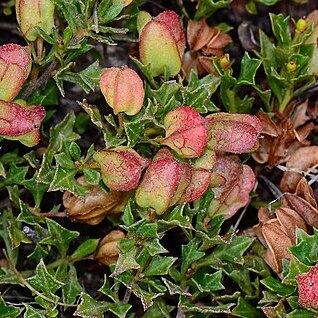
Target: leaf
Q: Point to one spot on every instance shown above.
(8, 311)
(105, 289)
(65, 180)
(275, 286)
(31, 312)
(245, 310)
(234, 251)
(154, 247)
(295, 268)
(241, 276)
(199, 91)
(60, 135)
(44, 281)
(127, 256)
(59, 236)
(173, 288)
(208, 7)
(90, 308)
(159, 265)
(72, 288)
(120, 309)
(185, 304)
(301, 313)
(210, 282)
(306, 249)
(86, 248)
(190, 254)
(248, 70)
(173, 219)
(280, 27)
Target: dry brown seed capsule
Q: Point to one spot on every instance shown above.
(108, 252)
(95, 206)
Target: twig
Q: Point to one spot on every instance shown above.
(48, 214)
(33, 290)
(126, 296)
(44, 78)
(241, 215)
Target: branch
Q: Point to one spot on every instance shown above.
(43, 79)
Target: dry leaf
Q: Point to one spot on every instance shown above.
(302, 160)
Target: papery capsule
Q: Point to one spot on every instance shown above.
(123, 90)
(108, 251)
(15, 63)
(121, 167)
(308, 288)
(164, 182)
(95, 205)
(186, 132)
(21, 123)
(162, 44)
(236, 133)
(32, 14)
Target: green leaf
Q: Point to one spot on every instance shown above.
(75, 150)
(44, 281)
(306, 249)
(159, 265)
(295, 268)
(70, 13)
(275, 286)
(59, 236)
(134, 132)
(111, 13)
(190, 254)
(199, 91)
(154, 247)
(127, 256)
(60, 135)
(120, 309)
(91, 308)
(280, 27)
(7, 276)
(174, 218)
(64, 161)
(301, 313)
(208, 7)
(245, 310)
(248, 70)
(72, 288)
(158, 310)
(105, 289)
(86, 248)
(38, 189)
(8, 311)
(64, 179)
(173, 288)
(234, 251)
(209, 282)
(187, 306)
(240, 276)
(91, 176)
(47, 97)
(31, 312)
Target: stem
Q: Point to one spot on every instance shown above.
(232, 106)
(39, 44)
(44, 78)
(33, 290)
(287, 97)
(48, 214)
(121, 121)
